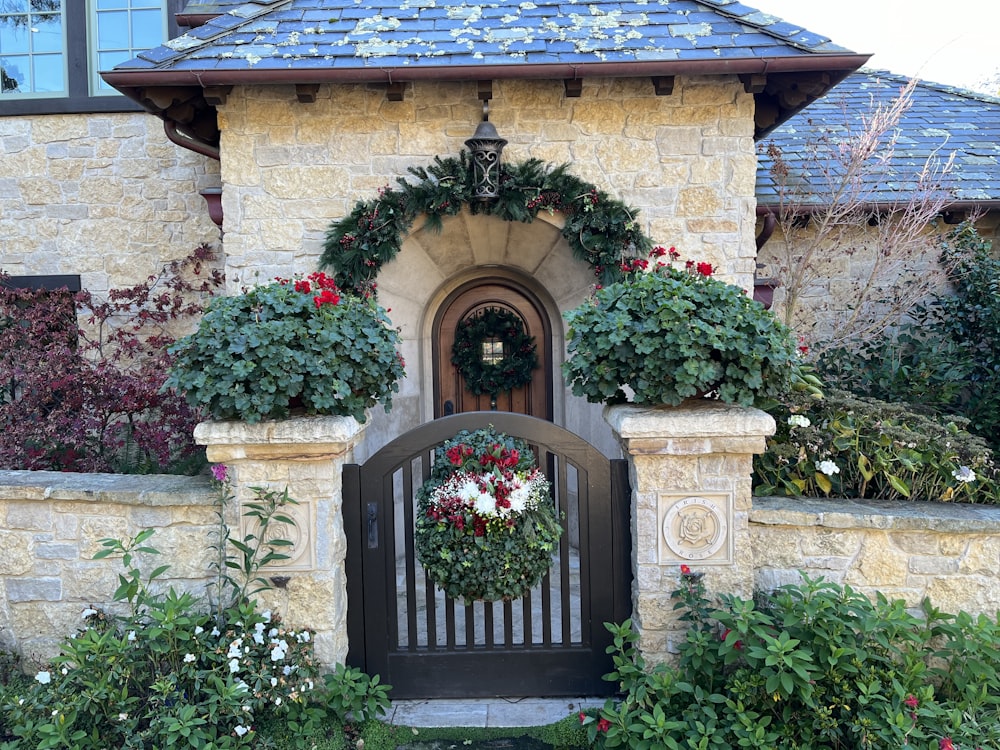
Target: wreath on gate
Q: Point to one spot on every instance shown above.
(486, 525)
(599, 229)
(519, 353)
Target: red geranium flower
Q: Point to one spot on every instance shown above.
(946, 744)
(911, 701)
(685, 570)
(603, 725)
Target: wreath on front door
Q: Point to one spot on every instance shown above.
(493, 352)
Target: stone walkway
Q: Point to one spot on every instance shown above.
(487, 712)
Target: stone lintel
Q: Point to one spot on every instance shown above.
(697, 426)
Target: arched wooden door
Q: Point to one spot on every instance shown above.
(450, 394)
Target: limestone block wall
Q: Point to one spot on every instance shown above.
(51, 524)
(950, 553)
(686, 160)
(105, 196)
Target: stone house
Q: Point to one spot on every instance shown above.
(939, 126)
(289, 112)
(298, 110)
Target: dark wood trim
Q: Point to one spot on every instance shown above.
(69, 282)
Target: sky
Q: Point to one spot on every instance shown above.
(955, 42)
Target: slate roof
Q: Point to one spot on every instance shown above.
(302, 34)
(940, 118)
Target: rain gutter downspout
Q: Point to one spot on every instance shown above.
(188, 141)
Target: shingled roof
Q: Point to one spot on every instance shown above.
(940, 120)
(308, 42)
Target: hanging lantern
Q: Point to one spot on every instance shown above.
(485, 146)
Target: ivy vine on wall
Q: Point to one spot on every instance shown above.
(600, 230)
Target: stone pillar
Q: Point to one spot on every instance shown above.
(690, 468)
(306, 455)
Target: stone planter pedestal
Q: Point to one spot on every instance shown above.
(306, 455)
(690, 468)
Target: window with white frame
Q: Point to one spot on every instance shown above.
(52, 51)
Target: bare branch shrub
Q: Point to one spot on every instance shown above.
(849, 264)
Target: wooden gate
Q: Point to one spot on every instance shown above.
(552, 641)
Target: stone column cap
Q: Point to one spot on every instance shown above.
(304, 430)
(694, 418)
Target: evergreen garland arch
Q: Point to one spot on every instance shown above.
(600, 230)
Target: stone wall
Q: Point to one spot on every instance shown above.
(950, 553)
(105, 196)
(51, 524)
(691, 504)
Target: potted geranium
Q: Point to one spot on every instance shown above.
(486, 526)
(292, 344)
(671, 331)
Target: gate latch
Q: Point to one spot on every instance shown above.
(372, 525)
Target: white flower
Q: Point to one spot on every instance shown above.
(215, 632)
(188, 658)
(799, 420)
(828, 467)
(303, 637)
(44, 677)
(258, 638)
(234, 665)
(277, 701)
(198, 630)
(274, 682)
(519, 499)
(266, 615)
(468, 491)
(87, 613)
(64, 670)
(122, 717)
(242, 686)
(277, 654)
(131, 636)
(964, 474)
(287, 670)
(485, 504)
(241, 730)
(272, 632)
(235, 649)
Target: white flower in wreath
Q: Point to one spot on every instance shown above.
(519, 498)
(485, 504)
(469, 491)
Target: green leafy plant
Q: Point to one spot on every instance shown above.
(813, 665)
(354, 696)
(257, 354)
(947, 358)
(858, 447)
(486, 526)
(668, 334)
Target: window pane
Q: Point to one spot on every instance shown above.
(46, 6)
(14, 72)
(49, 74)
(124, 29)
(147, 29)
(108, 60)
(47, 33)
(13, 35)
(112, 30)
